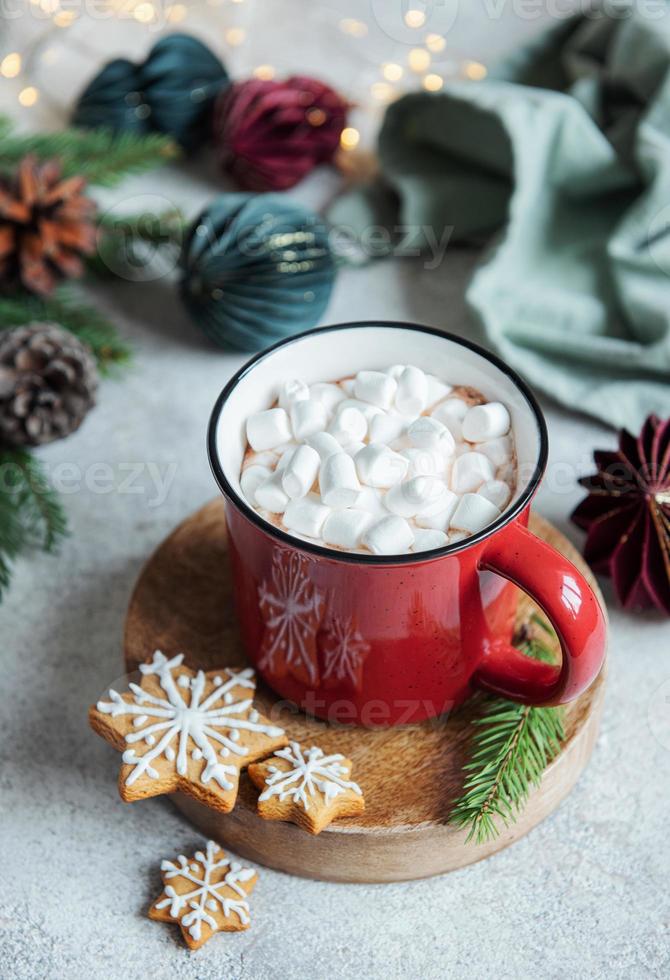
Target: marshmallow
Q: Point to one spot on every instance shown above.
(451, 413)
(284, 446)
(412, 392)
(266, 459)
(306, 515)
(474, 513)
(347, 386)
(395, 370)
(307, 417)
(369, 410)
(436, 390)
(440, 498)
(423, 462)
(251, 479)
(352, 448)
(324, 443)
(390, 536)
(497, 491)
(270, 495)
(427, 540)
(338, 481)
(469, 472)
(292, 391)
(370, 500)
(386, 428)
(328, 394)
(345, 528)
(456, 536)
(379, 466)
(422, 494)
(285, 458)
(429, 433)
(301, 472)
(349, 425)
(375, 387)
(268, 429)
(439, 520)
(499, 451)
(484, 422)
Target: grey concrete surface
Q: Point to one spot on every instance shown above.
(584, 895)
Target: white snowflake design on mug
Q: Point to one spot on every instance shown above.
(292, 610)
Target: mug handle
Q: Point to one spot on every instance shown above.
(570, 605)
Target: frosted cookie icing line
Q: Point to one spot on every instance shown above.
(206, 895)
(311, 771)
(193, 720)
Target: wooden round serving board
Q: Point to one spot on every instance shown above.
(410, 775)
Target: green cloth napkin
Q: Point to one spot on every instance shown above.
(567, 146)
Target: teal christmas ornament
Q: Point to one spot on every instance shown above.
(256, 268)
(171, 92)
(113, 100)
(182, 78)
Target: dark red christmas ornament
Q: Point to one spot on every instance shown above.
(269, 135)
(627, 516)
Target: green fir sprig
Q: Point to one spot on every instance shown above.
(512, 745)
(135, 245)
(81, 319)
(30, 511)
(31, 514)
(101, 156)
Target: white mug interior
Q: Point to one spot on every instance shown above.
(330, 354)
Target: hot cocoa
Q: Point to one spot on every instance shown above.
(386, 462)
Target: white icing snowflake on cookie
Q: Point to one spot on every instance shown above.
(185, 729)
(306, 786)
(206, 893)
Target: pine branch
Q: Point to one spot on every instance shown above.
(5, 572)
(132, 245)
(155, 229)
(31, 514)
(512, 745)
(99, 155)
(5, 127)
(39, 507)
(65, 308)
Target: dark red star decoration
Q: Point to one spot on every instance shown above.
(627, 516)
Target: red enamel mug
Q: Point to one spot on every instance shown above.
(372, 640)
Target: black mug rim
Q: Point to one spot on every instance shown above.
(333, 554)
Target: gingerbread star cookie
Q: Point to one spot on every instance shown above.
(206, 893)
(185, 729)
(306, 787)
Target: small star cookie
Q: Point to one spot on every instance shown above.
(185, 729)
(206, 893)
(306, 787)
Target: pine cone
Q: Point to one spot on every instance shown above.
(46, 225)
(48, 380)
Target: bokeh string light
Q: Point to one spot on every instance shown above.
(426, 63)
(415, 18)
